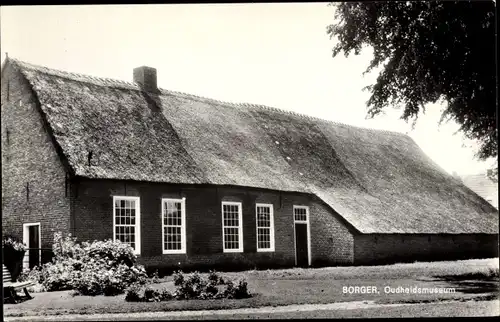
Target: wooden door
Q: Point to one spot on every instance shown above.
(33, 244)
(301, 247)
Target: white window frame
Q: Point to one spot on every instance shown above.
(26, 242)
(137, 200)
(240, 227)
(271, 227)
(183, 226)
(308, 233)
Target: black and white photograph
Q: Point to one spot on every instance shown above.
(229, 161)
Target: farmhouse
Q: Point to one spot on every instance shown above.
(195, 182)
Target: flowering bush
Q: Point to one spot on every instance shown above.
(101, 267)
(113, 252)
(34, 275)
(66, 247)
(58, 276)
(31, 275)
(97, 277)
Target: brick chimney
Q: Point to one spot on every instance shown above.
(145, 77)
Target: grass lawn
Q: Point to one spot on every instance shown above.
(295, 286)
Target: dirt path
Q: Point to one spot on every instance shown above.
(470, 308)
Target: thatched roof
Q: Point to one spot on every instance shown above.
(379, 181)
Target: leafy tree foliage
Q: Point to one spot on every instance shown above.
(429, 52)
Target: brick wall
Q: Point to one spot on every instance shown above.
(332, 240)
(29, 157)
(380, 248)
(331, 243)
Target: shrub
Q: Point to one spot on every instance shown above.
(139, 293)
(229, 291)
(211, 288)
(195, 287)
(178, 278)
(98, 278)
(238, 291)
(30, 275)
(188, 287)
(165, 295)
(241, 290)
(34, 275)
(113, 252)
(151, 295)
(155, 278)
(133, 293)
(57, 276)
(101, 267)
(215, 278)
(66, 247)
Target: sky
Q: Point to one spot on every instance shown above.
(274, 54)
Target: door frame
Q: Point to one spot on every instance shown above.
(308, 233)
(26, 240)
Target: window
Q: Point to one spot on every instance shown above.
(126, 221)
(174, 225)
(232, 231)
(300, 213)
(265, 227)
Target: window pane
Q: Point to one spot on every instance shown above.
(300, 214)
(172, 219)
(264, 238)
(125, 221)
(264, 227)
(231, 228)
